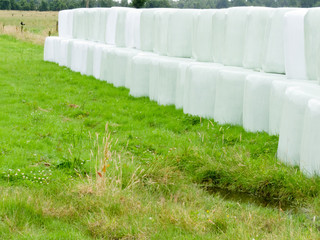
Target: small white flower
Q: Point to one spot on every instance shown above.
(18, 170)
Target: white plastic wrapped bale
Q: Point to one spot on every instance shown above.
(90, 55)
(180, 33)
(161, 23)
(140, 74)
(310, 151)
(120, 58)
(120, 37)
(257, 19)
(292, 122)
(200, 89)
(256, 101)
(65, 23)
(50, 50)
(107, 67)
(273, 54)
(312, 42)
(181, 84)
(202, 36)
(79, 56)
(104, 13)
(235, 35)
(65, 52)
(294, 53)
(147, 30)
(111, 25)
(229, 95)
(80, 23)
(132, 31)
(218, 35)
(168, 76)
(94, 24)
(277, 97)
(97, 58)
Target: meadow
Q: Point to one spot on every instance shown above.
(81, 159)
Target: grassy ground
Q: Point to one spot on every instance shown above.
(37, 24)
(164, 175)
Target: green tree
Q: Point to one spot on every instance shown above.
(5, 4)
(222, 4)
(157, 4)
(32, 5)
(44, 6)
(24, 5)
(124, 3)
(138, 3)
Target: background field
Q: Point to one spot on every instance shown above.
(162, 175)
(37, 24)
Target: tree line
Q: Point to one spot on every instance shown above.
(57, 5)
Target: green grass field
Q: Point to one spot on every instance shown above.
(161, 175)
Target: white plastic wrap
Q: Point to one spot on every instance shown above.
(120, 59)
(121, 27)
(90, 55)
(104, 14)
(292, 121)
(294, 54)
(147, 29)
(312, 42)
(235, 36)
(111, 26)
(140, 74)
(49, 49)
(79, 56)
(93, 23)
(132, 31)
(273, 54)
(218, 35)
(256, 101)
(310, 150)
(200, 89)
(257, 19)
(161, 24)
(180, 33)
(106, 68)
(97, 59)
(65, 23)
(277, 96)
(229, 95)
(65, 52)
(202, 36)
(168, 76)
(80, 23)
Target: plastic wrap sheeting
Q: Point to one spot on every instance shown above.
(292, 120)
(97, 58)
(161, 23)
(120, 59)
(65, 52)
(277, 96)
(168, 76)
(218, 35)
(104, 14)
(256, 100)
(229, 95)
(235, 36)
(202, 36)
(49, 49)
(294, 54)
(79, 56)
(273, 54)
(80, 23)
(310, 150)
(65, 23)
(94, 24)
(111, 26)
(106, 68)
(140, 74)
(312, 42)
(132, 31)
(121, 27)
(255, 36)
(200, 89)
(90, 55)
(180, 33)
(147, 29)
